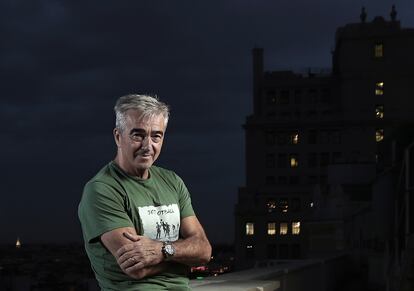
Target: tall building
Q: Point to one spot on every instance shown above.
(305, 124)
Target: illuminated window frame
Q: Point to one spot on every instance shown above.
(284, 205)
(379, 134)
(379, 111)
(379, 50)
(296, 227)
(271, 228)
(271, 206)
(379, 88)
(293, 160)
(249, 228)
(294, 137)
(283, 230)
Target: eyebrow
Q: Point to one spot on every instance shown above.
(140, 130)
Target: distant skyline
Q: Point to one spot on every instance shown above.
(64, 63)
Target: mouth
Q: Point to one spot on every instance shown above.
(145, 156)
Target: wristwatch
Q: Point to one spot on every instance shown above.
(168, 250)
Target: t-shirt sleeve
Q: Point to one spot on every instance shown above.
(186, 209)
(101, 210)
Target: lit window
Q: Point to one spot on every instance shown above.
(271, 228)
(293, 160)
(249, 228)
(294, 138)
(271, 206)
(379, 134)
(379, 88)
(379, 50)
(296, 228)
(379, 111)
(284, 205)
(283, 228)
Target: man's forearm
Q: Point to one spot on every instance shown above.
(147, 271)
(192, 250)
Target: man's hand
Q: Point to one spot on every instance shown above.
(140, 253)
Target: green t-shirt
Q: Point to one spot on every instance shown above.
(154, 207)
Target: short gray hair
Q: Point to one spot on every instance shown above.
(149, 106)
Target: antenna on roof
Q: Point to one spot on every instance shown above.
(393, 13)
(363, 15)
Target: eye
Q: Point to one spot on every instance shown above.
(156, 138)
(137, 136)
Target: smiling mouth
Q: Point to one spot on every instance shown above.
(144, 155)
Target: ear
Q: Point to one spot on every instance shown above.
(117, 137)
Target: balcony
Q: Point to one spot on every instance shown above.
(320, 274)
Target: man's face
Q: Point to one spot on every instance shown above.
(139, 144)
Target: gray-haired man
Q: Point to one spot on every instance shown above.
(138, 223)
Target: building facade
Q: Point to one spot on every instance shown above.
(304, 124)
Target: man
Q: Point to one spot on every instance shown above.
(137, 220)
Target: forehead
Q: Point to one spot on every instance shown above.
(135, 119)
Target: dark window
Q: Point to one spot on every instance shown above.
(270, 161)
(270, 137)
(283, 251)
(379, 50)
(284, 97)
(295, 204)
(324, 137)
(282, 180)
(336, 157)
(281, 160)
(324, 159)
(312, 160)
(313, 96)
(336, 136)
(281, 138)
(271, 97)
(326, 95)
(249, 252)
(312, 137)
(298, 96)
(296, 251)
(270, 180)
(271, 251)
(294, 180)
(312, 179)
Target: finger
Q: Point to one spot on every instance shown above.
(138, 266)
(124, 249)
(128, 255)
(128, 263)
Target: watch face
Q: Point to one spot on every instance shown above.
(169, 249)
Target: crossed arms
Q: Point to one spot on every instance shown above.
(139, 256)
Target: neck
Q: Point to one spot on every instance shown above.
(139, 173)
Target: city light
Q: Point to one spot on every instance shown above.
(18, 243)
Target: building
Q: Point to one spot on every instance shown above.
(316, 143)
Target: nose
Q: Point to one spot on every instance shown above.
(146, 142)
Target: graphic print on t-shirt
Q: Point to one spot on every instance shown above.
(160, 222)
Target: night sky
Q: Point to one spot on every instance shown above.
(63, 64)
